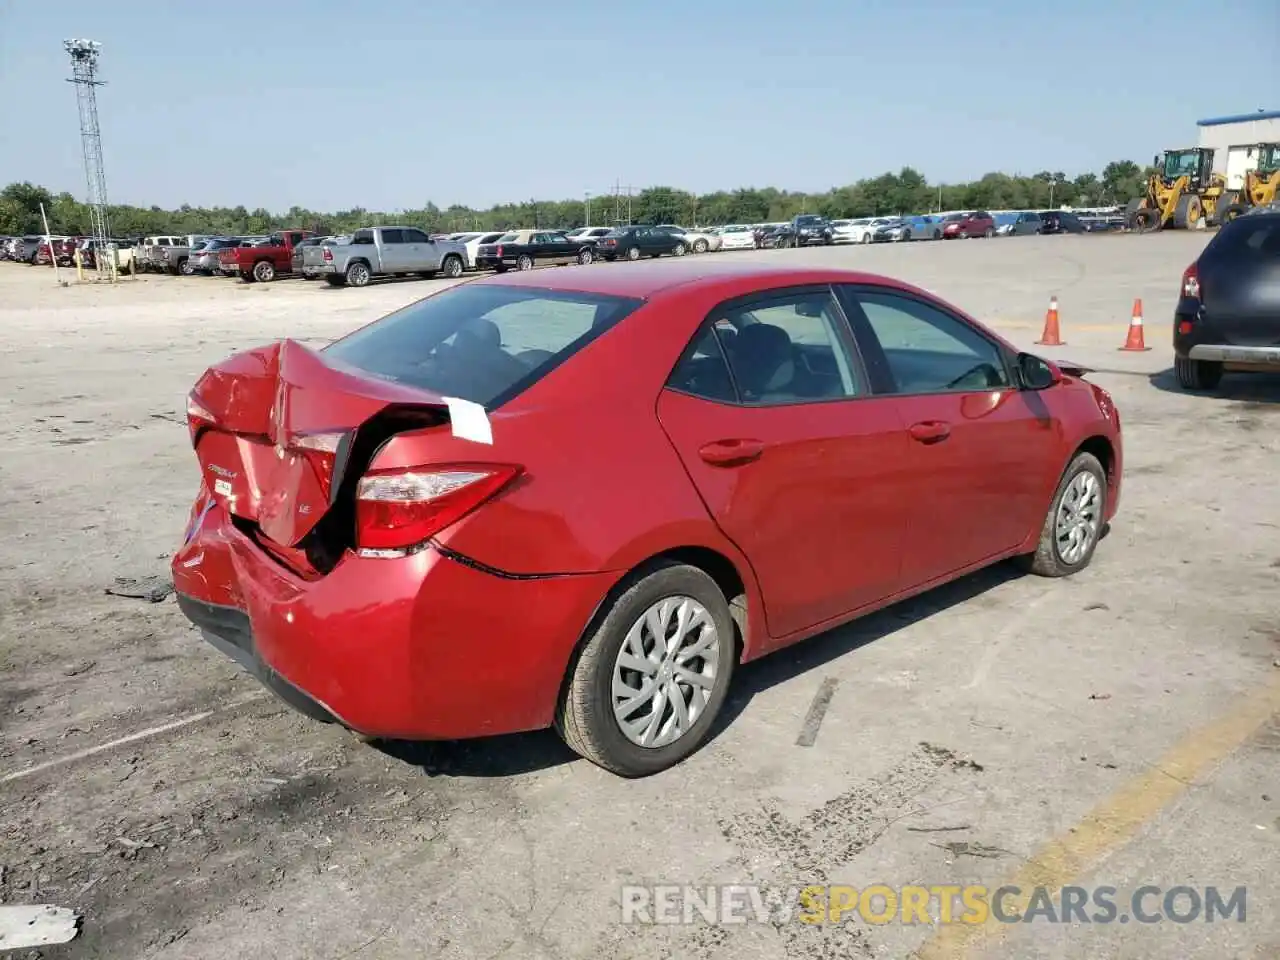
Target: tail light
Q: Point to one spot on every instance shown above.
(327, 254)
(1191, 282)
(498, 252)
(199, 418)
(397, 511)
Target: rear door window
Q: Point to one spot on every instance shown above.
(480, 343)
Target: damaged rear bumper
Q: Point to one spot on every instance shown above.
(431, 646)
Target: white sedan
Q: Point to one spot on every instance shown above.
(737, 237)
(861, 230)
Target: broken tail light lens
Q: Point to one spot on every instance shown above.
(199, 418)
(399, 510)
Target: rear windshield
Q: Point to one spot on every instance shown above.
(1258, 235)
(480, 343)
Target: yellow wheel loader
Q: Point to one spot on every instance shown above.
(1182, 191)
(1261, 184)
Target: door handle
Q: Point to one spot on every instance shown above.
(731, 453)
(930, 431)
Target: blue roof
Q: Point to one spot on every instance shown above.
(1240, 118)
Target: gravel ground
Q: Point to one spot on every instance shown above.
(971, 734)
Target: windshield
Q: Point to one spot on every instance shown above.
(508, 238)
(1269, 159)
(480, 343)
(952, 217)
(1179, 163)
(805, 221)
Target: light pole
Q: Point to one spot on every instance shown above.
(587, 213)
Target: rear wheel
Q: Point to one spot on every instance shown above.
(679, 250)
(524, 262)
(1197, 374)
(645, 688)
(1074, 522)
(1232, 211)
(989, 232)
(633, 253)
(452, 266)
(264, 271)
(358, 274)
(700, 246)
(185, 268)
(585, 256)
(866, 236)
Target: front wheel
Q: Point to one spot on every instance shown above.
(700, 246)
(1197, 374)
(653, 672)
(866, 238)
(680, 250)
(989, 233)
(1074, 523)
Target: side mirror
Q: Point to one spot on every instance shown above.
(1037, 373)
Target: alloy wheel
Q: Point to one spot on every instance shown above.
(665, 672)
(1079, 517)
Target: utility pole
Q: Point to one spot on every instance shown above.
(84, 74)
(586, 216)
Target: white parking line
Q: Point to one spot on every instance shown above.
(131, 738)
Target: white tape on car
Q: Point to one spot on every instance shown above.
(470, 422)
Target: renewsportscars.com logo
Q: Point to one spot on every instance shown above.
(935, 904)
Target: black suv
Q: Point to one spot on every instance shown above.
(1059, 221)
(809, 229)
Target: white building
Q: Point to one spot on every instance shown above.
(1234, 137)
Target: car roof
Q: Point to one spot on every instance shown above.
(648, 279)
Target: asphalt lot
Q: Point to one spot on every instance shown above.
(1118, 728)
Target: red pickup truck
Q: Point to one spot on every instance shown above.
(265, 262)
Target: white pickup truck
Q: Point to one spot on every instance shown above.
(383, 252)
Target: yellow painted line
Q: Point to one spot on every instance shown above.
(1115, 822)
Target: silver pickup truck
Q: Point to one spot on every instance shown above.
(383, 252)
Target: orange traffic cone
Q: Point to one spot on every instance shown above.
(1136, 341)
(1052, 336)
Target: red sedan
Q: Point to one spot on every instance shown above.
(579, 498)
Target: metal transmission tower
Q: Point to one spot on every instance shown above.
(84, 70)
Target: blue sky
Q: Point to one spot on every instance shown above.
(332, 104)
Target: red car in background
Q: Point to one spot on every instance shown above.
(965, 225)
(581, 497)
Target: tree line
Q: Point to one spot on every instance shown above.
(891, 193)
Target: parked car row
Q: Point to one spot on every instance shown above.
(398, 251)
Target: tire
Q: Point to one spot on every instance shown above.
(452, 266)
(585, 716)
(358, 274)
(1146, 220)
(679, 250)
(524, 262)
(185, 268)
(866, 237)
(989, 233)
(1188, 212)
(700, 246)
(1048, 559)
(1232, 211)
(247, 278)
(586, 257)
(264, 271)
(1197, 374)
(633, 253)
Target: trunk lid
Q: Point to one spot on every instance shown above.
(274, 429)
(313, 255)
